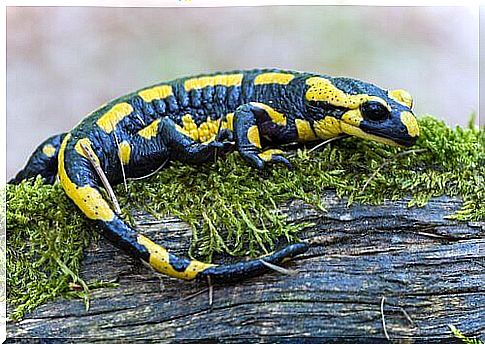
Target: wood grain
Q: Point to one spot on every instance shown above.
(430, 271)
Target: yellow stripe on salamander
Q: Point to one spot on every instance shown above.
(304, 130)
(353, 117)
(124, 152)
(113, 116)
(327, 127)
(253, 136)
(160, 261)
(150, 131)
(230, 121)
(267, 155)
(87, 143)
(402, 96)
(157, 92)
(408, 119)
(216, 80)
(273, 78)
(87, 198)
(354, 131)
(323, 90)
(276, 117)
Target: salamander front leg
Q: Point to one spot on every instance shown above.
(248, 140)
(185, 149)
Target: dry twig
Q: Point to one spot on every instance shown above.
(384, 320)
(97, 167)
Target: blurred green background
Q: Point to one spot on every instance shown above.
(63, 62)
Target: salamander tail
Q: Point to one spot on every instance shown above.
(169, 264)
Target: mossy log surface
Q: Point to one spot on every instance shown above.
(429, 270)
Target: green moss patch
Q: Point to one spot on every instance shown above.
(233, 208)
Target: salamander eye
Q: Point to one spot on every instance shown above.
(374, 111)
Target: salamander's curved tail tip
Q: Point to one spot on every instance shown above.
(244, 270)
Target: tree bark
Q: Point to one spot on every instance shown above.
(407, 272)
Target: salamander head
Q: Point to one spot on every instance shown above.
(344, 105)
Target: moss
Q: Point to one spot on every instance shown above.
(233, 209)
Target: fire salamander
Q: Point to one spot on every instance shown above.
(196, 119)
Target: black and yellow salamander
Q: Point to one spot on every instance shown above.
(198, 118)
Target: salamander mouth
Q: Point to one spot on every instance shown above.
(378, 137)
(404, 142)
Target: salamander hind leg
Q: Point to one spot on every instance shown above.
(42, 162)
(247, 118)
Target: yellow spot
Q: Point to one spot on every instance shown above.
(49, 150)
(159, 260)
(402, 96)
(327, 127)
(230, 121)
(267, 155)
(410, 122)
(124, 152)
(276, 117)
(215, 80)
(353, 117)
(305, 131)
(80, 150)
(273, 78)
(323, 90)
(113, 116)
(208, 130)
(209, 141)
(150, 131)
(182, 130)
(87, 198)
(157, 92)
(354, 131)
(253, 136)
(190, 127)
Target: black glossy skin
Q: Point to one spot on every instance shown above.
(171, 144)
(243, 270)
(41, 164)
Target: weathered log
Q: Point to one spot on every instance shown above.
(429, 270)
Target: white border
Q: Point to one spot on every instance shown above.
(3, 175)
(179, 3)
(229, 3)
(480, 8)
